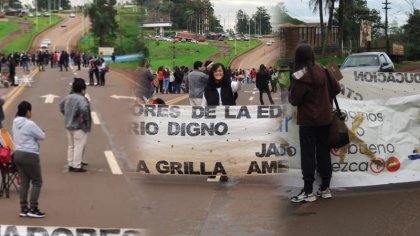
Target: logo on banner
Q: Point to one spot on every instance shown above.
(378, 165)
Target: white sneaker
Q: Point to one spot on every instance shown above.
(325, 194)
(303, 197)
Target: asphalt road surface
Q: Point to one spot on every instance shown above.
(264, 54)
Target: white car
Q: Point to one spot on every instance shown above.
(72, 15)
(47, 41)
(269, 43)
(368, 62)
(44, 46)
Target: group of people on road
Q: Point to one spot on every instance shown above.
(26, 136)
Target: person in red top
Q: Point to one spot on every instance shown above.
(253, 74)
(160, 77)
(309, 91)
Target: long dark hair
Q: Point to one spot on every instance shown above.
(304, 57)
(212, 81)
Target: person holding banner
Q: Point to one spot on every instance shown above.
(220, 89)
(309, 91)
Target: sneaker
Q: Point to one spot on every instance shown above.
(72, 169)
(325, 194)
(35, 213)
(23, 212)
(303, 197)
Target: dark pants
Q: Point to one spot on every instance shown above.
(102, 78)
(266, 90)
(315, 155)
(29, 168)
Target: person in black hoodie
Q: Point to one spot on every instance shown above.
(220, 89)
(262, 80)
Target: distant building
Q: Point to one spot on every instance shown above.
(291, 35)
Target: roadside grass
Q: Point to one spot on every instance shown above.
(162, 53)
(7, 28)
(23, 42)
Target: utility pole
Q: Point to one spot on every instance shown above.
(386, 3)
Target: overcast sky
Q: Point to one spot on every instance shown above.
(226, 10)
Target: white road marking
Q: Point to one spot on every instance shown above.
(112, 162)
(87, 96)
(95, 118)
(251, 98)
(49, 98)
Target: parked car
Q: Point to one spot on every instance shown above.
(368, 61)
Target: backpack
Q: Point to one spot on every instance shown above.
(5, 156)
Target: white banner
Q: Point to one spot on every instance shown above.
(381, 150)
(359, 85)
(20, 230)
(231, 140)
(254, 140)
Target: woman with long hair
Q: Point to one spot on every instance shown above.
(309, 91)
(220, 89)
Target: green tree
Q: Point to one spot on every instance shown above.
(349, 15)
(262, 20)
(102, 15)
(43, 5)
(317, 6)
(412, 33)
(242, 22)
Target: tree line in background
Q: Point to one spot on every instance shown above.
(43, 5)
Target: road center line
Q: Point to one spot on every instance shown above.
(95, 118)
(112, 162)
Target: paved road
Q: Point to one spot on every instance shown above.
(267, 55)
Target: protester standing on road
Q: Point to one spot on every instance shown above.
(262, 80)
(93, 70)
(76, 110)
(309, 92)
(179, 76)
(220, 88)
(26, 135)
(196, 82)
(166, 79)
(160, 78)
(102, 72)
(143, 78)
(64, 60)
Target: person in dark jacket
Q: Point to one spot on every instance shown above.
(309, 91)
(262, 80)
(220, 89)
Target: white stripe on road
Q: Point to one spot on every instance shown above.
(87, 96)
(251, 98)
(95, 118)
(112, 162)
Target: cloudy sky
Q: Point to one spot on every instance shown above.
(226, 10)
